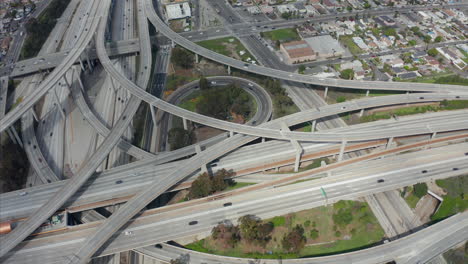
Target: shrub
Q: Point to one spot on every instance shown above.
(420, 189)
(314, 233)
(295, 240)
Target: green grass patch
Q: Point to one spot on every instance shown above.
(349, 43)
(456, 199)
(228, 46)
(282, 35)
(278, 221)
(362, 231)
(174, 81)
(238, 185)
(412, 110)
(412, 200)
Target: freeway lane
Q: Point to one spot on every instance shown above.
(151, 227)
(421, 245)
(101, 189)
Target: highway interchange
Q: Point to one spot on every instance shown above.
(83, 247)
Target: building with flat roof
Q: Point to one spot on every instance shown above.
(177, 11)
(298, 51)
(325, 46)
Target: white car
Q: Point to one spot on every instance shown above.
(250, 84)
(128, 233)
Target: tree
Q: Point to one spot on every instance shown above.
(438, 39)
(254, 230)
(343, 217)
(226, 233)
(295, 240)
(314, 233)
(432, 52)
(420, 189)
(302, 68)
(340, 99)
(347, 74)
(182, 58)
(201, 187)
(204, 84)
(179, 138)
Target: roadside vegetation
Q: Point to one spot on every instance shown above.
(348, 42)
(229, 46)
(345, 226)
(222, 102)
(444, 105)
(207, 184)
(449, 78)
(38, 30)
(283, 105)
(456, 199)
(13, 165)
(412, 194)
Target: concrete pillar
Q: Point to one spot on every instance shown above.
(407, 92)
(297, 161)
(15, 134)
(89, 62)
(197, 60)
(389, 143)
(229, 70)
(184, 121)
(34, 114)
(153, 115)
(231, 133)
(57, 101)
(263, 140)
(343, 146)
(81, 64)
(433, 135)
(80, 83)
(326, 92)
(314, 124)
(198, 150)
(361, 113)
(367, 93)
(11, 136)
(323, 163)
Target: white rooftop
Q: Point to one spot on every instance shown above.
(180, 10)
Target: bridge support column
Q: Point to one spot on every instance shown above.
(184, 121)
(263, 140)
(204, 168)
(15, 134)
(433, 135)
(10, 135)
(229, 70)
(361, 113)
(367, 93)
(89, 62)
(59, 106)
(34, 114)
(314, 124)
(343, 146)
(153, 115)
(81, 64)
(80, 83)
(389, 142)
(296, 146)
(326, 93)
(231, 133)
(197, 60)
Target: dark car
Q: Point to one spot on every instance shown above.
(227, 204)
(193, 222)
(455, 169)
(158, 246)
(380, 180)
(118, 182)
(424, 171)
